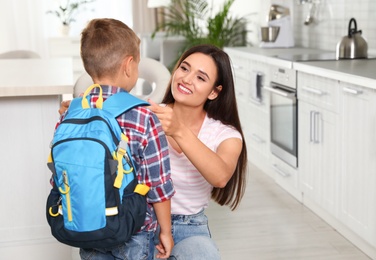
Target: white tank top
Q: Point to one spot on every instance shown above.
(192, 190)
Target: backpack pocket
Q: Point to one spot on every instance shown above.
(134, 207)
(82, 183)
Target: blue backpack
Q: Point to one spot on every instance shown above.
(95, 201)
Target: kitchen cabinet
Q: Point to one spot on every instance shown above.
(336, 174)
(28, 112)
(286, 176)
(318, 141)
(358, 173)
(253, 113)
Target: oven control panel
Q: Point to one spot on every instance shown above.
(283, 76)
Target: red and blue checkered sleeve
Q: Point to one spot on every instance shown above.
(157, 163)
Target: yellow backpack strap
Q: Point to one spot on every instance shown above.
(142, 189)
(99, 103)
(49, 159)
(120, 153)
(120, 169)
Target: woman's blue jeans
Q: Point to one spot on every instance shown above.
(192, 238)
(139, 247)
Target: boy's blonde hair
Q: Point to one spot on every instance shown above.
(105, 43)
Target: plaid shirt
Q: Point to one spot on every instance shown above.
(149, 149)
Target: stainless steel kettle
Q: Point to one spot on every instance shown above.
(353, 45)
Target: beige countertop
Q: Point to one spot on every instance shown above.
(35, 77)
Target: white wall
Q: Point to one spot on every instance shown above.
(25, 24)
(250, 9)
(332, 23)
(332, 19)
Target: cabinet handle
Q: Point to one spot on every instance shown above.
(239, 93)
(237, 67)
(313, 91)
(316, 116)
(256, 102)
(257, 138)
(279, 171)
(311, 125)
(280, 92)
(314, 127)
(352, 91)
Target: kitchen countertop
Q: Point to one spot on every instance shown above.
(269, 55)
(359, 72)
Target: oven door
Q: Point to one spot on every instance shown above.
(283, 123)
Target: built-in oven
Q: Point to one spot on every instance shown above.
(284, 115)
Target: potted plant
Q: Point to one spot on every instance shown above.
(197, 23)
(67, 11)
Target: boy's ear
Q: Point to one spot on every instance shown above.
(126, 65)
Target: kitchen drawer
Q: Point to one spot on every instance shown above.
(243, 94)
(319, 91)
(242, 90)
(286, 176)
(253, 115)
(355, 91)
(240, 66)
(258, 137)
(258, 147)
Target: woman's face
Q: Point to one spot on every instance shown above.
(193, 81)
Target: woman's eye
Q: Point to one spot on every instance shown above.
(183, 68)
(201, 78)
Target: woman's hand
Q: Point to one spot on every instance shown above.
(64, 106)
(167, 117)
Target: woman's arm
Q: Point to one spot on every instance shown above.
(222, 163)
(216, 167)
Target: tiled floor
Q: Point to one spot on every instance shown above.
(272, 225)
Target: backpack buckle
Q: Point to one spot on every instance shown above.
(122, 150)
(121, 153)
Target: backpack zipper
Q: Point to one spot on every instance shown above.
(66, 192)
(88, 120)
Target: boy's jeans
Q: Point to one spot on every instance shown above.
(139, 247)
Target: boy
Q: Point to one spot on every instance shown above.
(110, 54)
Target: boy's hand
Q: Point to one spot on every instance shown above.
(166, 243)
(64, 106)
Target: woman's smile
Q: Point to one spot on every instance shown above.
(184, 89)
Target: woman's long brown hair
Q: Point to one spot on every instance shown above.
(223, 108)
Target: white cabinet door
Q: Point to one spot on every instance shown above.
(358, 175)
(319, 141)
(254, 114)
(318, 147)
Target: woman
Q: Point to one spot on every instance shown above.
(207, 150)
